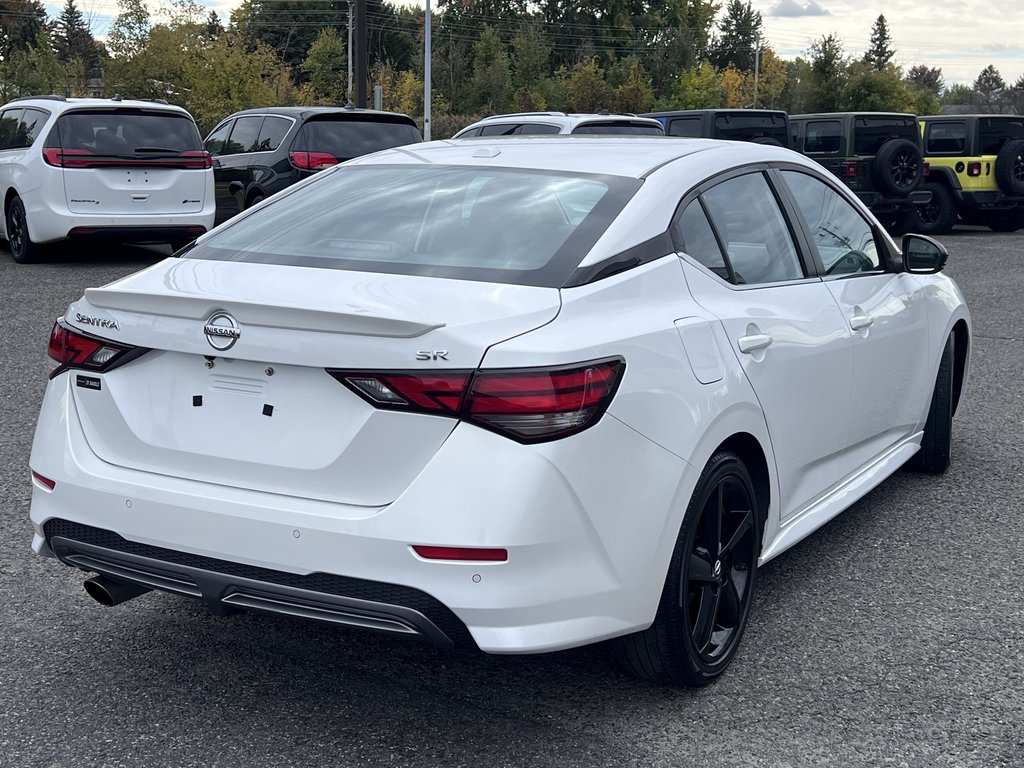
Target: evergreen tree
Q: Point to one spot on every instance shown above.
(925, 78)
(326, 69)
(214, 27)
(828, 74)
(739, 36)
(72, 40)
(21, 24)
(492, 79)
(130, 31)
(990, 89)
(880, 53)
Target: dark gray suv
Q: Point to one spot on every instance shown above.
(258, 152)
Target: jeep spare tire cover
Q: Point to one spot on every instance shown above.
(897, 167)
(767, 140)
(1010, 167)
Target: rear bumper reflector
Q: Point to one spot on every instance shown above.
(476, 554)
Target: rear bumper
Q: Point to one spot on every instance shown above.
(991, 199)
(588, 546)
(49, 220)
(160, 234)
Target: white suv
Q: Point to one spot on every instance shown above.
(101, 168)
(534, 123)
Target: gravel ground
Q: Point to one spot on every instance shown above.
(894, 636)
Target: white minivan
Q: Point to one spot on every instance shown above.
(129, 171)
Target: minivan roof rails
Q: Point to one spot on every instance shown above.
(51, 97)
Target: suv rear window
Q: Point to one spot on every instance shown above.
(126, 132)
(870, 133)
(822, 136)
(685, 126)
(946, 138)
(993, 132)
(741, 127)
(490, 224)
(346, 138)
(620, 128)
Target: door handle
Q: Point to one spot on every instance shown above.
(860, 322)
(754, 342)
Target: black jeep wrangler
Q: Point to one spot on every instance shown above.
(762, 126)
(976, 172)
(878, 155)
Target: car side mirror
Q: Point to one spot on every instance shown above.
(922, 255)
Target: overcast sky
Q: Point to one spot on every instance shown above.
(961, 37)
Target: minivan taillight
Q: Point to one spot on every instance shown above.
(529, 405)
(73, 349)
(197, 159)
(67, 158)
(312, 161)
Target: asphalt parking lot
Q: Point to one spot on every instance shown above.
(894, 636)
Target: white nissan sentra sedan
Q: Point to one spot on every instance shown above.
(519, 397)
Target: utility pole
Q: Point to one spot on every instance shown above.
(361, 73)
(757, 65)
(349, 52)
(426, 74)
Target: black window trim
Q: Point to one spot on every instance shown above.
(17, 108)
(953, 121)
(258, 130)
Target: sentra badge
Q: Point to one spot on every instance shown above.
(99, 322)
(222, 331)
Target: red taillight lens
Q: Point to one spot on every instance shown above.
(527, 404)
(974, 169)
(848, 169)
(312, 161)
(67, 158)
(44, 481)
(71, 349)
(199, 159)
(925, 169)
(478, 554)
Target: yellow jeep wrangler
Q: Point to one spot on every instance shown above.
(975, 172)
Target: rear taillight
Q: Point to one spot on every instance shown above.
(925, 169)
(198, 159)
(312, 161)
(526, 404)
(72, 349)
(67, 158)
(974, 169)
(848, 169)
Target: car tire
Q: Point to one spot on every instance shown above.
(23, 250)
(1010, 167)
(938, 215)
(933, 458)
(1006, 221)
(255, 200)
(901, 222)
(897, 167)
(704, 589)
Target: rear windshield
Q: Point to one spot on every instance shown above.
(993, 132)
(620, 128)
(492, 224)
(346, 138)
(749, 127)
(870, 133)
(126, 132)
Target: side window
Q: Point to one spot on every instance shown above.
(272, 133)
(215, 141)
(945, 138)
(845, 240)
(685, 126)
(243, 135)
(28, 127)
(533, 129)
(694, 236)
(470, 133)
(505, 129)
(10, 119)
(822, 136)
(750, 224)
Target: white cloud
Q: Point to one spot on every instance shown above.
(791, 9)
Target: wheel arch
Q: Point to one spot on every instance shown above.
(753, 456)
(940, 174)
(9, 195)
(961, 349)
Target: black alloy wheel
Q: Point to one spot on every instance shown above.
(23, 250)
(939, 215)
(716, 582)
(709, 588)
(905, 167)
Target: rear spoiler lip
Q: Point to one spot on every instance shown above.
(257, 314)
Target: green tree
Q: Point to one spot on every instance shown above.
(492, 79)
(634, 94)
(130, 31)
(531, 59)
(738, 37)
(958, 94)
(34, 70)
(214, 27)
(677, 36)
(21, 22)
(586, 89)
(72, 40)
(828, 74)
(925, 78)
(990, 88)
(326, 69)
(880, 52)
(698, 87)
(876, 90)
